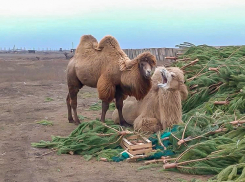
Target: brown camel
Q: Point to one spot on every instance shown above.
(161, 108)
(108, 68)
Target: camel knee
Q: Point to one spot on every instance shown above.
(72, 97)
(68, 100)
(148, 125)
(73, 103)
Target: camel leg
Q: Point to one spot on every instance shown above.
(105, 107)
(119, 106)
(73, 104)
(68, 103)
(106, 92)
(73, 96)
(147, 124)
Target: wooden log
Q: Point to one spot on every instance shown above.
(172, 58)
(167, 159)
(214, 69)
(169, 165)
(103, 159)
(154, 161)
(237, 122)
(226, 102)
(193, 86)
(180, 142)
(215, 85)
(218, 130)
(190, 64)
(184, 59)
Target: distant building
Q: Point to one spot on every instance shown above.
(60, 50)
(31, 51)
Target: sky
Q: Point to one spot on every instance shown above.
(55, 24)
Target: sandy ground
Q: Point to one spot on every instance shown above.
(25, 84)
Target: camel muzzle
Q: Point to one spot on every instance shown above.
(164, 79)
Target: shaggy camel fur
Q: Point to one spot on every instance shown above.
(161, 108)
(108, 68)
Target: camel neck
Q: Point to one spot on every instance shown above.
(134, 84)
(169, 103)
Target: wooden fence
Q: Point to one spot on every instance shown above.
(160, 54)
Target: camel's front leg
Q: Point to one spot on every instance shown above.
(105, 106)
(106, 92)
(119, 105)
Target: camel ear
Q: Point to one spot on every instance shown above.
(183, 92)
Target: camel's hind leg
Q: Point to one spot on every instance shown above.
(72, 103)
(68, 103)
(71, 100)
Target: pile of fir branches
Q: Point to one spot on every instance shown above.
(212, 138)
(90, 139)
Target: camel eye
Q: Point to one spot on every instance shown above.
(142, 64)
(173, 75)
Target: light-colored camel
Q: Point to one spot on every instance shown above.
(161, 108)
(104, 65)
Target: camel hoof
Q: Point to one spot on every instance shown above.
(124, 123)
(76, 123)
(71, 121)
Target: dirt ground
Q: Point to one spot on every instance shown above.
(26, 87)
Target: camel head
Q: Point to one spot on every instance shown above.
(146, 64)
(173, 80)
(145, 69)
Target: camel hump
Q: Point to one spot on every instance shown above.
(87, 42)
(148, 57)
(108, 42)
